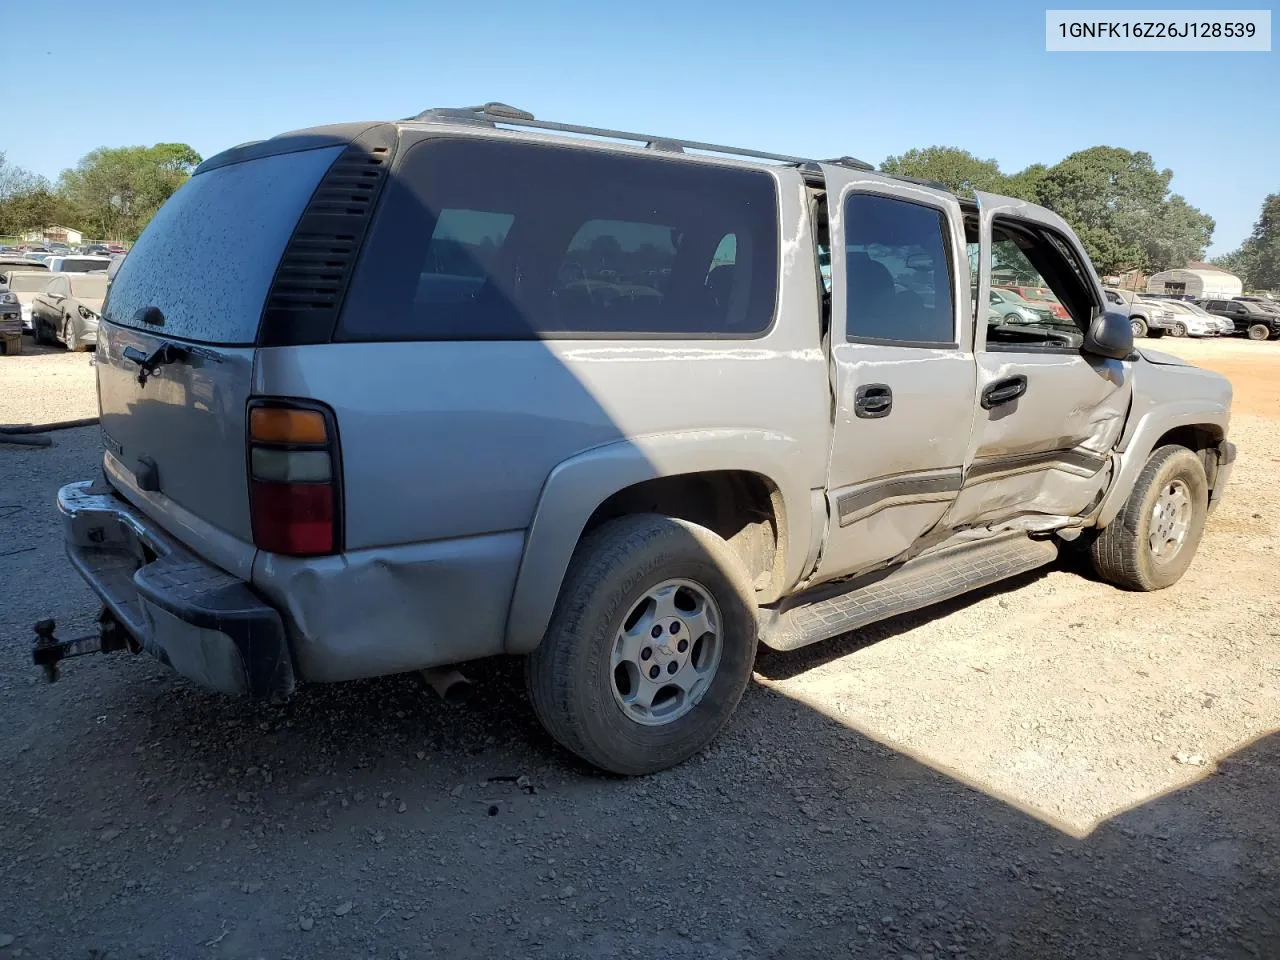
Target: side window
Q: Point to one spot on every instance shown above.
(1058, 302)
(1114, 297)
(499, 240)
(897, 272)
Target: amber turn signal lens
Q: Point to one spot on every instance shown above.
(282, 425)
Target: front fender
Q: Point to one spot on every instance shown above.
(575, 487)
(1140, 441)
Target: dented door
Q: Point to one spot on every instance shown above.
(1048, 414)
(902, 367)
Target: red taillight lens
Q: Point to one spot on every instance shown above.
(293, 489)
(294, 518)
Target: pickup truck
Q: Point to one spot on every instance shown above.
(1148, 318)
(391, 396)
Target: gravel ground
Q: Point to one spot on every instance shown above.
(1049, 769)
(45, 385)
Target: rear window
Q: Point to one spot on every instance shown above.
(28, 282)
(208, 256)
(81, 265)
(90, 288)
(480, 239)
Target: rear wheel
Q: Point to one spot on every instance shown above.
(1151, 542)
(1178, 330)
(1258, 331)
(650, 647)
(1139, 326)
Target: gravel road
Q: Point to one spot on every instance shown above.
(1052, 768)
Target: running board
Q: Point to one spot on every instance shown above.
(917, 583)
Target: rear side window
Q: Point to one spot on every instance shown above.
(207, 258)
(481, 239)
(897, 271)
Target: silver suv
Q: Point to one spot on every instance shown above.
(380, 397)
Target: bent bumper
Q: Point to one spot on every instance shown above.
(195, 617)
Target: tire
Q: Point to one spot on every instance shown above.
(1155, 333)
(69, 335)
(1139, 326)
(573, 683)
(37, 331)
(1123, 553)
(1178, 330)
(1258, 331)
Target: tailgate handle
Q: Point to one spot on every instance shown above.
(148, 364)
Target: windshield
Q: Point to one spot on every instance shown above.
(90, 287)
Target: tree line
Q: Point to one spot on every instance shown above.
(110, 194)
(1117, 202)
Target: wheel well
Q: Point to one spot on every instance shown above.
(743, 508)
(1203, 439)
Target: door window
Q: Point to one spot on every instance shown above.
(897, 272)
(1054, 282)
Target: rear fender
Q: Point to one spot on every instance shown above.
(575, 487)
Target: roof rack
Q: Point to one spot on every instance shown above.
(493, 113)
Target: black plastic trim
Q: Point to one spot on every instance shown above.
(315, 269)
(848, 505)
(992, 467)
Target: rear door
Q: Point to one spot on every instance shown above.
(197, 279)
(1047, 414)
(901, 366)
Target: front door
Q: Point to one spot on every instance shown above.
(901, 366)
(1048, 414)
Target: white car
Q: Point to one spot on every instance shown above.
(1188, 320)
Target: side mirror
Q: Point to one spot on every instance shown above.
(1110, 335)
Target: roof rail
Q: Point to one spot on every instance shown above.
(493, 113)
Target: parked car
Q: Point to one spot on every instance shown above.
(1147, 318)
(67, 310)
(1011, 308)
(1252, 319)
(116, 248)
(79, 264)
(1222, 326)
(430, 443)
(24, 283)
(10, 319)
(97, 249)
(1041, 296)
(1187, 322)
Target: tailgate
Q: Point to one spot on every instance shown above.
(197, 280)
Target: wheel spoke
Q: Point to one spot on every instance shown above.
(664, 600)
(644, 693)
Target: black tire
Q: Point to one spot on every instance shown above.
(1258, 331)
(569, 678)
(69, 336)
(1122, 552)
(1139, 326)
(37, 331)
(1178, 330)
(1155, 333)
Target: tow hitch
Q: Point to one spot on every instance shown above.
(49, 650)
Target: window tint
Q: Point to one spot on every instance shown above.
(208, 256)
(897, 271)
(479, 239)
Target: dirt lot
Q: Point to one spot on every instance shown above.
(1050, 769)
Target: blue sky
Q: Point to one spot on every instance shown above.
(838, 78)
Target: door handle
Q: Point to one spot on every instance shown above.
(1003, 391)
(872, 401)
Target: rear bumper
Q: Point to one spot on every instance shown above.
(198, 619)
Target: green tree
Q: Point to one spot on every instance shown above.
(115, 191)
(1235, 262)
(1025, 184)
(959, 169)
(1257, 261)
(1119, 205)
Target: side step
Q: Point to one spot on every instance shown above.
(928, 579)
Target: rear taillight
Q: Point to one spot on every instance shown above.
(294, 494)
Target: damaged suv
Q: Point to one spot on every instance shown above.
(386, 396)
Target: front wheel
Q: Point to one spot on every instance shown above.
(1178, 330)
(1258, 331)
(69, 335)
(1151, 542)
(1139, 327)
(650, 647)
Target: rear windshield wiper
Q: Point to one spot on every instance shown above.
(148, 364)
